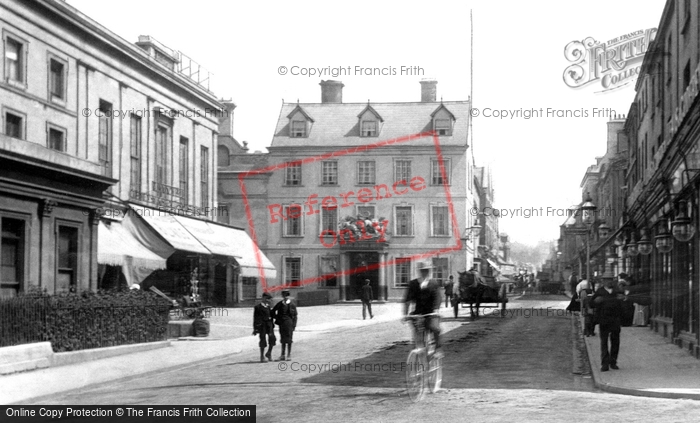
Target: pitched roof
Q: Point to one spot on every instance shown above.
(371, 109)
(440, 107)
(303, 112)
(336, 124)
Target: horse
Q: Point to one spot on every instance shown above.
(469, 292)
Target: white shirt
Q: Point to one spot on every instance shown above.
(581, 286)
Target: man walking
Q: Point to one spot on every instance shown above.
(264, 326)
(285, 315)
(608, 303)
(449, 286)
(366, 300)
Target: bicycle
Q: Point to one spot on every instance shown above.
(422, 360)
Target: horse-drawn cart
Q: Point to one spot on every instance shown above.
(469, 292)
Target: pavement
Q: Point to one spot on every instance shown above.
(649, 364)
(230, 333)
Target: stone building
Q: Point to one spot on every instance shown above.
(363, 190)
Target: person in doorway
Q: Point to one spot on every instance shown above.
(367, 298)
(608, 304)
(449, 286)
(285, 315)
(264, 326)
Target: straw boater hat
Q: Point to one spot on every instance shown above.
(424, 265)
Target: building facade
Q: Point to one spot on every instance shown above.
(664, 165)
(353, 192)
(109, 154)
(647, 186)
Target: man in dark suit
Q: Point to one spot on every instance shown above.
(263, 325)
(425, 294)
(285, 315)
(449, 286)
(608, 304)
(367, 300)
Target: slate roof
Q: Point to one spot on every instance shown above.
(337, 124)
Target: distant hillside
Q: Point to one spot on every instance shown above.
(534, 255)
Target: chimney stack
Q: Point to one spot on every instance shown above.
(428, 91)
(331, 91)
(226, 119)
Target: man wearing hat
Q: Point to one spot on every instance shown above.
(285, 315)
(366, 299)
(608, 303)
(425, 294)
(264, 326)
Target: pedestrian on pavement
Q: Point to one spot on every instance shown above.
(449, 286)
(424, 293)
(264, 326)
(608, 304)
(285, 315)
(584, 291)
(623, 285)
(573, 281)
(641, 303)
(367, 300)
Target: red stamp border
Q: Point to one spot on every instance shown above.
(350, 150)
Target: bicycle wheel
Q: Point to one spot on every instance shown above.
(434, 374)
(415, 375)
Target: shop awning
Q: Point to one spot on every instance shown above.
(233, 242)
(248, 261)
(493, 264)
(166, 224)
(116, 246)
(216, 238)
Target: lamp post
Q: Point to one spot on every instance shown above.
(588, 209)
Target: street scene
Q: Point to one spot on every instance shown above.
(490, 213)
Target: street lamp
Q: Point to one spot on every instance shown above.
(644, 246)
(683, 228)
(664, 241)
(472, 231)
(632, 250)
(588, 209)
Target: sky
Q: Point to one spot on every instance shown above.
(518, 65)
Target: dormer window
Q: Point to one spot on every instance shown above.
(298, 129)
(443, 121)
(369, 128)
(443, 127)
(370, 122)
(299, 123)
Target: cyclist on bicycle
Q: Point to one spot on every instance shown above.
(425, 294)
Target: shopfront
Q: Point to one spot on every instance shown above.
(155, 247)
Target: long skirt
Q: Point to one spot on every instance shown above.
(575, 304)
(286, 327)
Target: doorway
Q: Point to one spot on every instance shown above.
(365, 266)
(220, 284)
